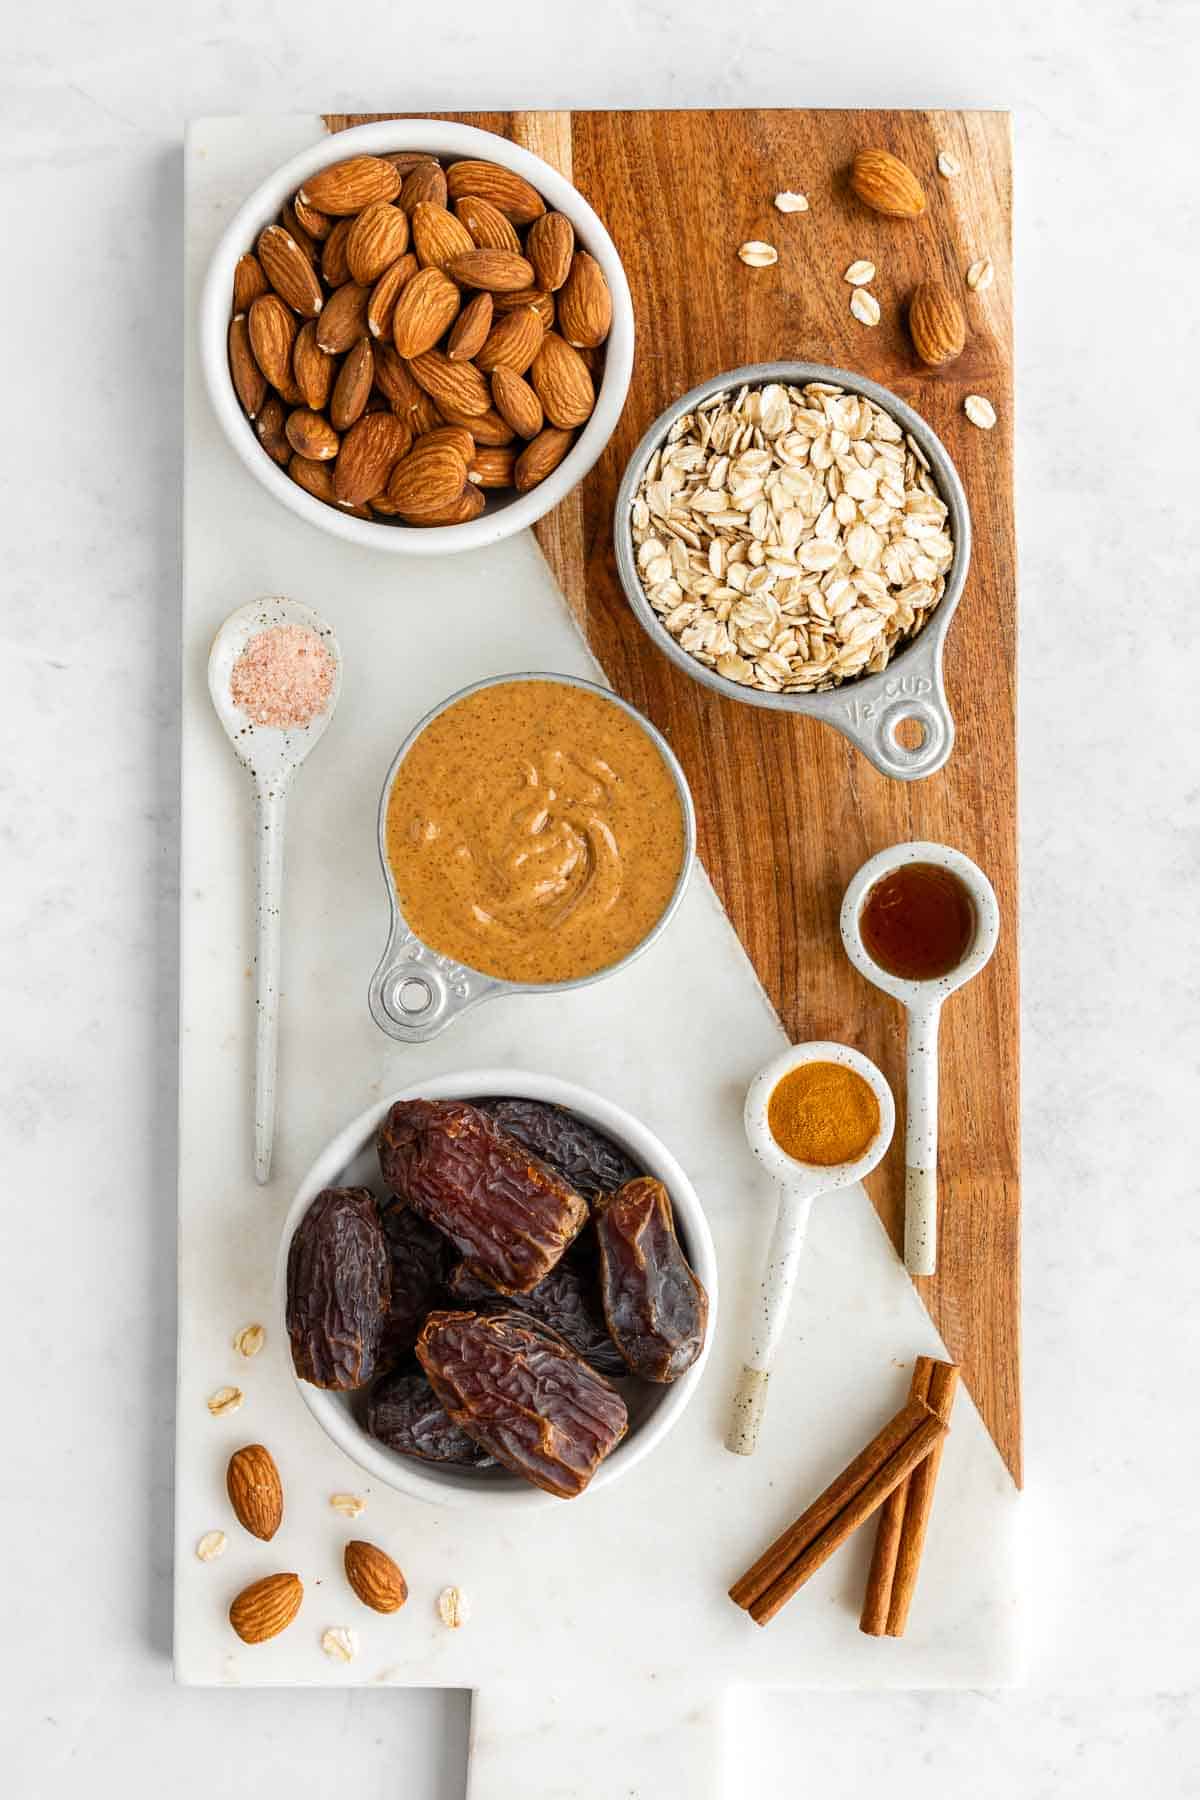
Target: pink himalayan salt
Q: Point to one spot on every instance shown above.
(283, 677)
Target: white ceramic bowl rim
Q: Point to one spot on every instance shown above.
(917, 994)
(461, 1489)
(812, 1178)
(442, 138)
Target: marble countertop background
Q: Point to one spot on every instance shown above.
(92, 107)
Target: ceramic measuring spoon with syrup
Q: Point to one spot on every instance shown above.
(799, 1184)
(272, 755)
(918, 921)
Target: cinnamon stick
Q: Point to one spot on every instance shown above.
(878, 1598)
(943, 1384)
(863, 1474)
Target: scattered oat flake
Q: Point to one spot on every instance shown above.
(349, 1505)
(981, 412)
(283, 678)
(757, 255)
(948, 165)
(225, 1400)
(865, 307)
(788, 202)
(340, 1643)
(452, 1607)
(250, 1340)
(981, 275)
(211, 1545)
(859, 273)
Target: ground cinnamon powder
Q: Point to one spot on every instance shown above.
(823, 1113)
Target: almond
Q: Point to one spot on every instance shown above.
(290, 222)
(343, 318)
(470, 329)
(457, 436)
(382, 304)
(346, 187)
(249, 382)
(540, 458)
(489, 228)
(352, 389)
(317, 224)
(585, 304)
(426, 182)
(370, 451)
(457, 385)
(429, 478)
(427, 307)
(497, 270)
(512, 343)
(469, 504)
(312, 367)
(271, 434)
(492, 468)
(887, 185)
(394, 381)
(316, 478)
(516, 402)
(550, 246)
(266, 1607)
(405, 161)
(507, 191)
(377, 237)
(561, 380)
(438, 235)
(310, 434)
(248, 282)
(272, 333)
(937, 325)
(334, 268)
(255, 1490)
(485, 428)
(536, 300)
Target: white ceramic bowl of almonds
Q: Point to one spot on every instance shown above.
(797, 538)
(506, 510)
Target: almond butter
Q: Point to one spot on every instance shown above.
(492, 468)
(512, 343)
(248, 282)
(249, 382)
(516, 402)
(561, 380)
(312, 367)
(470, 329)
(507, 191)
(352, 389)
(425, 182)
(438, 235)
(427, 307)
(936, 324)
(540, 458)
(550, 246)
(346, 187)
(310, 434)
(497, 270)
(370, 451)
(485, 428)
(429, 478)
(266, 1607)
(458, 385)
(536, 300)
(384, 295)
(585, 304)
(272, 333)
(377, 237)
(334, 267)
(887, 185)
(255, 1490)
(271, 434)
(489, 228)
(317, 224)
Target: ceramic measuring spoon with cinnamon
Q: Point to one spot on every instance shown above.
(919, 920)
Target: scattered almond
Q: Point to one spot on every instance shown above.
(981, 412)
(864, 306)
(255, 1490)
(757, 255)
(266, 1607)
(211, 1545)
(375, 1578)
(887, 185)
(225, 1400)
(936, 324)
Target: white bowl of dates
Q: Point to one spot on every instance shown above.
(417, 336)
(499, 1289)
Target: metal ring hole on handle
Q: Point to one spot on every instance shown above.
(912, 733)
(413, 995)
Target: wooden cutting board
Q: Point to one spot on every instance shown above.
(787, 810)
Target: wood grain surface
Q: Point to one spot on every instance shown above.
(787, 810)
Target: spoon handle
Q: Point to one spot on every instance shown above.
(921, 1145)
(270, 814)
(772, 1301)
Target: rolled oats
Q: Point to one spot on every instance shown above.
(864, 306)
(758, 255)
(981, 275)
(340, 1643)
(981, 412)
(948, 165)
(211, 1545)
(225, 1400)
(859, 273)
(250, 1340)
(790, 203)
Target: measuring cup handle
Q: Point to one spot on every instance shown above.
(870, 711)
(270, 812)
(921, 1143)
(771, 1309)
(416, 993)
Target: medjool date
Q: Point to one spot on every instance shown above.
(591, 1162)
(567, 1300)
(524, 1395)
(404, 1413)
(338, 1286)
(509, 1214)
(656, 1309)
(421, 1258)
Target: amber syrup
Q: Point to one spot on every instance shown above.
(918, 922)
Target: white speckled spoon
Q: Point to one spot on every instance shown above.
(799, 1185)
(923, 1001)
(272, 757)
